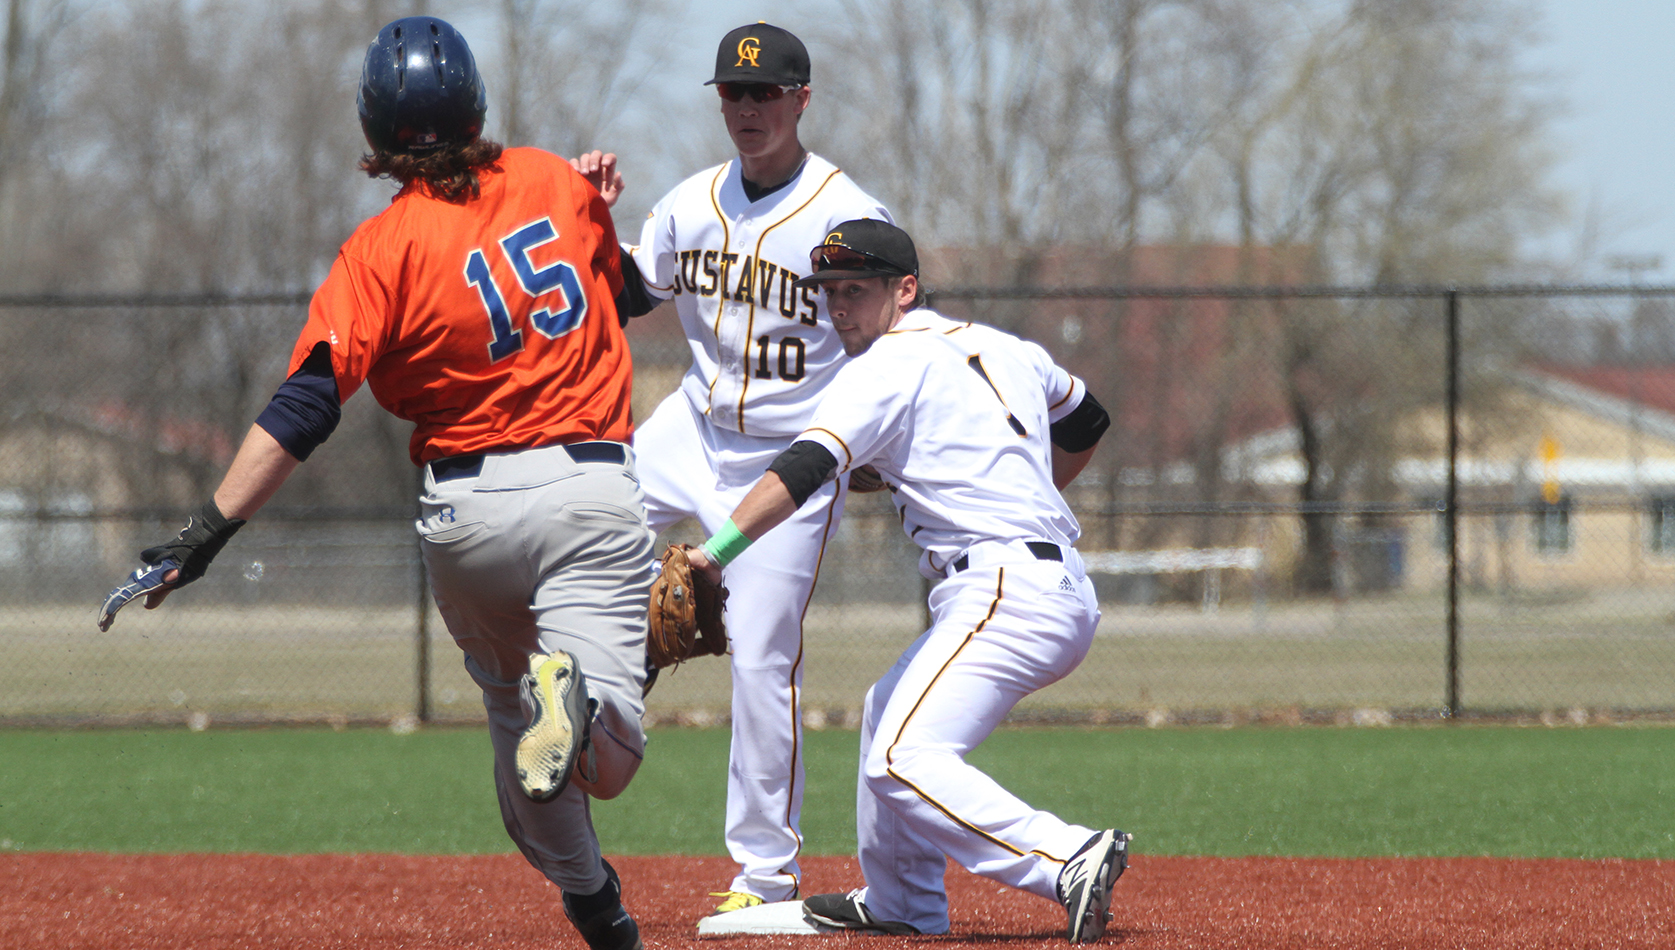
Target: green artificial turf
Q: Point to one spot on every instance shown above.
(1465, 790)
(1432, 791)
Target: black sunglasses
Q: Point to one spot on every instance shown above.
(838, 257)
(757, 91)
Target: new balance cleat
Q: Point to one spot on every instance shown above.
(554, 698)
(1085, 884)
(849, 912)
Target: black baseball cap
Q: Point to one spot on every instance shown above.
(864, 247)
(763, 53)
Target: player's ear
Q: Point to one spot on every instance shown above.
(802, 99)
(907, 291)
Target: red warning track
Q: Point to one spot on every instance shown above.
(68, 901)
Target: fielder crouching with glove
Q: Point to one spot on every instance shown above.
(480, 305)
(974, 432)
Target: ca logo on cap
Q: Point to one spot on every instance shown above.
(749, 48)
(836, 237)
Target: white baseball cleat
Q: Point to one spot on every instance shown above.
(1084, 885)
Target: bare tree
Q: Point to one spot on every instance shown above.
(218, 148)
(34, 30)
(209, 146)
(201, 149)
(1389, 141)
(971, 133)
(1402, 146)
(570, 72)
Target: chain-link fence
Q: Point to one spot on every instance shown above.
(1313, 503)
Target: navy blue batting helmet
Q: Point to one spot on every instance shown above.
(420, 89)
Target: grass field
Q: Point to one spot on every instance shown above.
(1433, 791)
(290, 662)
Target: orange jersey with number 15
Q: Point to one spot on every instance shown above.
(491, 323)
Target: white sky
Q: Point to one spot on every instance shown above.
(1613, 61)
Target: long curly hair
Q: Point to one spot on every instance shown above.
(450, 173)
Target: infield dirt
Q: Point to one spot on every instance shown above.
(160, 902)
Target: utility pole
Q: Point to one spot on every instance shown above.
(1635, 366)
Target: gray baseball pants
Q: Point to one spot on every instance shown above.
(539, 552)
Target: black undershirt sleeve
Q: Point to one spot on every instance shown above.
(634, 300)
(803, 467)
(305, 410)
(1082, 428)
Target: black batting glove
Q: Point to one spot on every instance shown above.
(197, 544)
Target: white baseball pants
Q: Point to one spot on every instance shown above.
(691, 469)
(1002, 629)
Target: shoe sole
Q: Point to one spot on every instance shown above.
(902, 931)
(556, 697)
(1093, 904)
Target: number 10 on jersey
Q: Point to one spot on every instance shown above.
(559, 276)
(793, 357)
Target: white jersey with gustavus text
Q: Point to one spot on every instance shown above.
(955, 418)
(763, 352)
(762, 349)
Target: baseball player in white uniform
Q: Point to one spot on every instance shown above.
(974, 431)
(729, 244)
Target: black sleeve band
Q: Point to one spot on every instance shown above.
(1082, 429)
(304, 411)
(634, 300)
(803, 467)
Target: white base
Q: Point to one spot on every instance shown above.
(779, 917)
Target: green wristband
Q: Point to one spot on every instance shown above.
(726, 544)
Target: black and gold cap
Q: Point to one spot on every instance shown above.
(862, 248)
(762, 53)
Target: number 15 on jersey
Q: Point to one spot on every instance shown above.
(551, 322)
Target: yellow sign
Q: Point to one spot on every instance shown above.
(1550, 470)
(749, 48)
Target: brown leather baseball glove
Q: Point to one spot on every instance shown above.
(865, 479)
(685, 618)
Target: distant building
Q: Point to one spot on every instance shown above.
(1573, 471)
(1575, 461)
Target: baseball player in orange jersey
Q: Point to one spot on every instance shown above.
(480, 306)
(975, 432)
(728, 245)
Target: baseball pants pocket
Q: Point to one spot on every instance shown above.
(445, 534)
(594, 511)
